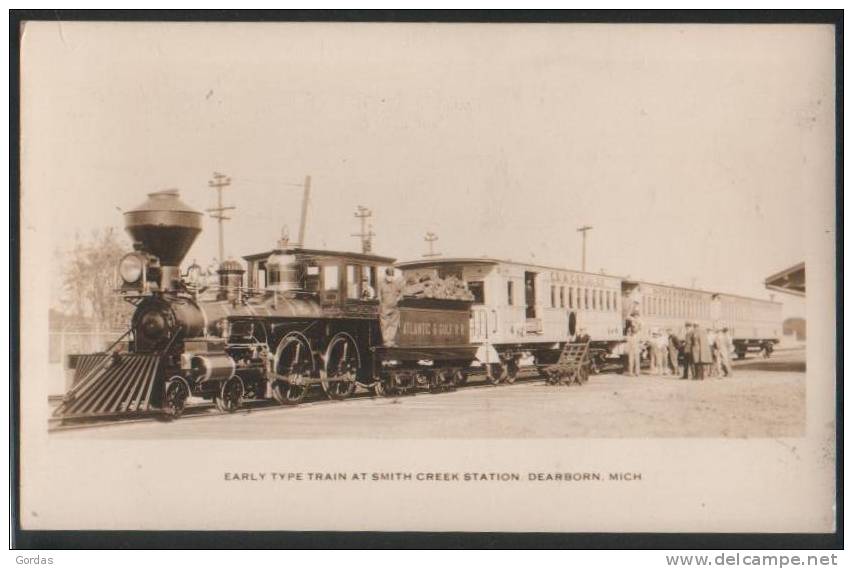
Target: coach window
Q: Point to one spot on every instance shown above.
(509, 293)
(553, 296)
(562, 297)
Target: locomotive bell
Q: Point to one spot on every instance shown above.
(166, 227)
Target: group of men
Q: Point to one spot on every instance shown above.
(699, 353)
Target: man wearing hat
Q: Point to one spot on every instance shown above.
(632, 332)
(672, 349)
(723, 346)
(390, 293)
(687, 350)
(701, 351)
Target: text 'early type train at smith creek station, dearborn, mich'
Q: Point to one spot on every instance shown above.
(292, 320)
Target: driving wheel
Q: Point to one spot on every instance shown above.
(342, 363)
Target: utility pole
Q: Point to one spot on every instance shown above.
(366, 235)
(431, 238)
(304, 217)
(220, 181)
(583, 231)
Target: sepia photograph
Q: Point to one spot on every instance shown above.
(437, 276)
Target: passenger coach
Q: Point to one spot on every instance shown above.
(754, 324)
(522, 310)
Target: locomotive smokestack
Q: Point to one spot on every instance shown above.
(166, 227)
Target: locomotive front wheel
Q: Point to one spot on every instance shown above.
(230, 398)
(175, 396)
(288, 393)
(342, 363)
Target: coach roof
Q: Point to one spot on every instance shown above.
(422, 263)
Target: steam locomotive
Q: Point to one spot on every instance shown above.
(313, 322)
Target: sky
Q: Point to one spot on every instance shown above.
(693, 151)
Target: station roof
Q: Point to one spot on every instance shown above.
(791, 280)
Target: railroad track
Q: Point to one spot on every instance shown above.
(208, 410)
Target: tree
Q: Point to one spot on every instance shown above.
(90, 280)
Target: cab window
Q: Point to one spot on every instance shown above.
(353, 284)
(330, 278)
(312, 278)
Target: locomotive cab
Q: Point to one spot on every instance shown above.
(335, 279)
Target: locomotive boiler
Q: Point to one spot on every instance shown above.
(305, 319)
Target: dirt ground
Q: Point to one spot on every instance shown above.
(765, 398)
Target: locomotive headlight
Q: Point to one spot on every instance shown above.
(130, 268)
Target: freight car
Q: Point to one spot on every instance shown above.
(305, 320)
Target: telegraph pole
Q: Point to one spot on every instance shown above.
(583, 231)
(220, 181)
(304, 217)
(431, 238)
(366, 235)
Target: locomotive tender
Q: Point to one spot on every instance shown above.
(311, 323)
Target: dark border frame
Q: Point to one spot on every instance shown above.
(30, 539)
